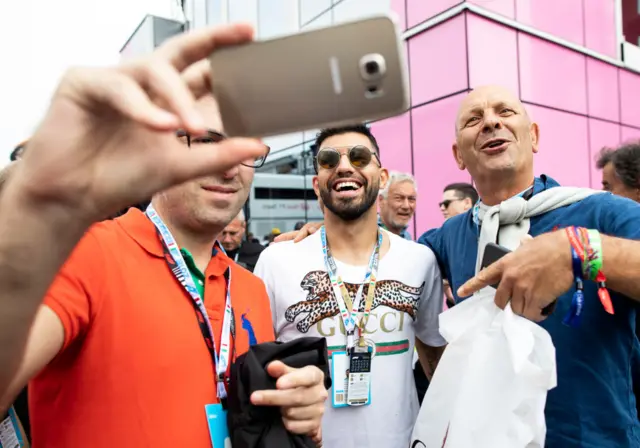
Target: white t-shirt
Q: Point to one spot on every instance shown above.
(408, 300)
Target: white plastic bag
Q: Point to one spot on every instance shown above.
(490, 387)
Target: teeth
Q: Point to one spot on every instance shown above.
(343, 185)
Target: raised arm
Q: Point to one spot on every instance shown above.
(103, 144)
(35, 239)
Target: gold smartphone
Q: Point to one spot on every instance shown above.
(343, 74)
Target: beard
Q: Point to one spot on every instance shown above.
(350, 209)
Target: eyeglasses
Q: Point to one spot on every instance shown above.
(447, 202)
(359, 157)
(213, 137)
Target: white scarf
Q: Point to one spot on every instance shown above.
(511, 217)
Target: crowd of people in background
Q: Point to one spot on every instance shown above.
(112, 358)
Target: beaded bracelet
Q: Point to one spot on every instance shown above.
(587, 244)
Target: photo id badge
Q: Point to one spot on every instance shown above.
(340, 377)
(217, 419)
(359, 387)
(10, 431)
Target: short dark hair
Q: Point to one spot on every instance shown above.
(465, 189)
(356, 128)
(626, 162)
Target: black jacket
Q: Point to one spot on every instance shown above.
(258, 426)
(248, 254)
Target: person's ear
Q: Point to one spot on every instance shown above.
(534, 134)
(384, 178)
(458, 156)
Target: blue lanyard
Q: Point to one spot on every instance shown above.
(180, 270)
(342, 295)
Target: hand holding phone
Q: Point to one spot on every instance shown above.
(494, 252)
(343, 74)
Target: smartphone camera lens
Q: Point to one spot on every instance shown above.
(372, 67)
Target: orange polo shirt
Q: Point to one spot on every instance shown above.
(134, 370)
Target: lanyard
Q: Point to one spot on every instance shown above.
(342, 295)
(179, 268)
(235, 257)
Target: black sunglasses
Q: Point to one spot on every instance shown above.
(447, 202)
(359, 157)
(212, 137)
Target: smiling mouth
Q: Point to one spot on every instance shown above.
(493, 144)
(346, 186)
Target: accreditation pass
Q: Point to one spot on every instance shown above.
(9, 430)
(359, 383)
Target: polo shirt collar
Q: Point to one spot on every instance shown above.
(140, 228)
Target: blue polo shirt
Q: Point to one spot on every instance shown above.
(593, 405)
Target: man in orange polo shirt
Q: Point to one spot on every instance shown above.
(140, 324)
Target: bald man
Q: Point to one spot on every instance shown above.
(243, 251)
(593, 405)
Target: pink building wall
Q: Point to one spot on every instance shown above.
(580, 103)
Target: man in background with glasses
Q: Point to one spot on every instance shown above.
(371, 293)
(137, 331)
(457, 198)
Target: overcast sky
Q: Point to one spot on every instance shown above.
(39, 39)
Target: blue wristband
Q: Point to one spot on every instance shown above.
(572, 318)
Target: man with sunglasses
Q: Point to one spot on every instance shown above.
(131, 345)
(457, 198)
(370, 292)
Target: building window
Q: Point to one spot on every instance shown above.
(348, 10)
(310, 9)
(277, 18)
(243, 11)
(216, 12)
(631, 21)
